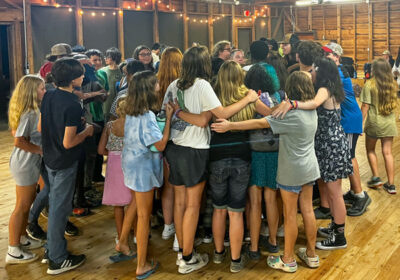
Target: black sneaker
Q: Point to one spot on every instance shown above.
(36, 232)
(271, 248)
(349, 198)
(335, 240)
(45, 256)
(71, 229)
(359, 205)
(207, 238)
(390, 188)
(319, 214)
(325, 231)
(375, 182)
(226, 239)
(71, 262)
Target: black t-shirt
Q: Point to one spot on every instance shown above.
(230, 145)
(59, 109)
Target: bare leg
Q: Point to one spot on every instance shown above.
(355, 180)
(247, 213)
(25, 196)
(167, 198)
(255, 216)
(144, 206)
(179, 210)
(370, 144)
(307, 212)
(191, 216)
(272, 213)
(129, 217)
(336, 202)
(236, 231)
(218, 228)
(387, 143)
(119, 219)
(289, 212)
(323, 193)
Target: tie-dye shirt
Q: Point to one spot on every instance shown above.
(143, 169)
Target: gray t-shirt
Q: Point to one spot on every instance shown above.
(297, 163)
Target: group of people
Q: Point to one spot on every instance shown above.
(199, 128)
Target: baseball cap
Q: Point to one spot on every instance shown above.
(289, 38)
(387, 52)
(333, 48)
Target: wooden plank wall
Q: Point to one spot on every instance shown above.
(364, 30)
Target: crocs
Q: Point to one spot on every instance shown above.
(276, 262)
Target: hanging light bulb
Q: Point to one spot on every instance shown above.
(70, 10)
(103, 14)
(93, 14)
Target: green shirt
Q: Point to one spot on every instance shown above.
(113, 76)
(377, 125)
(297, 162)
(96, 108)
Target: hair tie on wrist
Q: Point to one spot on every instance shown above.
(177, 113)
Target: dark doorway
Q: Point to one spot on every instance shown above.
(244, 40)
(4, 73)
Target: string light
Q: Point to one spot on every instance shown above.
(114, 13)
(93, 14)
(129, 7)
(103, 14)
(168, 6)
(70, 10)
(57, 5)
(194, 20)
(138, 8)
(173, 10)
(120, 12)
(146, 3)
(181, 15)
(81, 12)
(45, 1)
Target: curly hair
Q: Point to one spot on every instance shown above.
(258, 79)
(328, 77)
(219, 47)
(383, 84)
(308, 51)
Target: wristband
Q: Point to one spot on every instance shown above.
(296, 104)
(177, 113)
(291, 104)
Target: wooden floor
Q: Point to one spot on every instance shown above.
(373, 240)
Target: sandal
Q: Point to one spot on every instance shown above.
(309, 261)
(276, 262)
(149, 272)
(120, 257)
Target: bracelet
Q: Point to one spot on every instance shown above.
(296, 104)
(177, 113)
(291, 104)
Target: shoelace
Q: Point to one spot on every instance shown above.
(331, 238)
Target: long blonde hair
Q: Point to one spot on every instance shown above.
(384, 85)
(170, 68)
(230, 89)
(24, 99)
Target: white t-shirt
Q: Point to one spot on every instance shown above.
(200, 97)
(398, 70)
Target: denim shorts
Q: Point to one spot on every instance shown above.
(229, 179)
(293, 189)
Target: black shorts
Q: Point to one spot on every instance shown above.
(187, 166)
(352, 138)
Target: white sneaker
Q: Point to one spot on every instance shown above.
(168, 232)
(197, 262)
(281, 231)
(23, 257)
(178, 258)
(175, 246)
(30, 244)
(264, 230)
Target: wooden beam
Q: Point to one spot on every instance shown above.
(269, 26)
(278, 25)
(388, 25)
(78, 22)
(234, 33)
(370, 33)
(323, 23)
(156, 34)
(310, 27)
(11, 15)
(289, 19)
(355, 34)
(120, 29)
(9, 2)
(210, 26)
(339, 23)
(185, 26)
(29, 41)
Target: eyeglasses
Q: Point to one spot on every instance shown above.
(145, 54)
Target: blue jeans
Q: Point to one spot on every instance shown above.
(62, 186)
(42, 198)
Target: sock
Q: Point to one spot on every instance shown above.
(359, 195)
(169, 226)
(23, 240)
(180, 250)
(324, 209)
(188, 257)
(339, 227)
(14, 250)
(220, 253)
(237, 260)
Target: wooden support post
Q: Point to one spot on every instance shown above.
(388, 25)
(17, 52)
(185, 26)
(156, 35)
(323, 23)
(355, 34)
(290, 19)
(269, 26)
(278, 25)
(78, 22)
(310, 27)
(234, 35)
(210, 26)
(296, 18)
(370, 33)
(29, 43)
(339, 23)
(120, 29)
